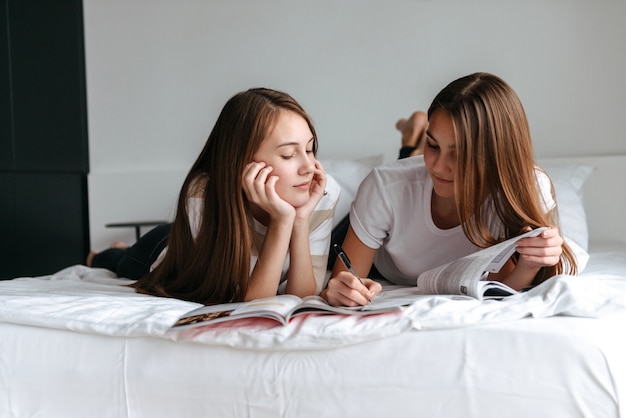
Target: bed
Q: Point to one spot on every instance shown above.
(79, 343)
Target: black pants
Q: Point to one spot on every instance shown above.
(135, 261)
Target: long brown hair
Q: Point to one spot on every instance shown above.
(215, 266)
(495, 167)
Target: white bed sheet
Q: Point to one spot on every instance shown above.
(77, 344)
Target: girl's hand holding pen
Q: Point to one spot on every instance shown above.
(347, 288)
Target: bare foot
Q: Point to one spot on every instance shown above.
(118, 244)
(90, 257)
(413, 131)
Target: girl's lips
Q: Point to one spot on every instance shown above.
(303, 186)
(440, 180)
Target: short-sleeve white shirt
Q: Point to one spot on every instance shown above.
(392, 213)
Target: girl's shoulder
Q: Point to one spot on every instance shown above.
(331, 193)
(545, 189)
(410, 169)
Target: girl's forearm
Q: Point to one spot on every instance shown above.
(521, 277)
(517, 276)
(266, 274)
(300, 278)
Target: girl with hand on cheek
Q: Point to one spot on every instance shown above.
(475, 185)
(254, 215)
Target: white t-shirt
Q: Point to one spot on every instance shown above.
(320, 229)
(391, 212)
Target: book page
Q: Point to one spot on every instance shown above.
(275, 307)
(459, 277)
(463, 276)
(386, 301)
(399, 296)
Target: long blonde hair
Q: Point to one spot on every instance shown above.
(215, 266)
(495, 167)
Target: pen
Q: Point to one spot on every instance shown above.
(346, 262)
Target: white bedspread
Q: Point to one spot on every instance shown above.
(81, 341)
(95, 301)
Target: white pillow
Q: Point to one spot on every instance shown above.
(568, 180)
(349, 173)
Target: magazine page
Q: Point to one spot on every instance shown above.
(459, 277)
(463, 276)
(275, 307)
(386, 301)
(397, 296)
(501, 252)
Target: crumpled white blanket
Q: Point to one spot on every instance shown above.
(90, 300)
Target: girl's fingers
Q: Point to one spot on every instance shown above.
(347, 290)
(543, 250)
(252, 169)
(318, 185)
(260, 180)
(270, 186)
(551, 247)
(552, 232)
(319, 169)
(250, 173)
(548, 238)
(540, 261)
(256, 178)
(373, 287)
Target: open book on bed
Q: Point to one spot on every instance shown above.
(459, 277)
(282, 308)
(466, 275)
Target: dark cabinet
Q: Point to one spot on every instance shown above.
(44, 158)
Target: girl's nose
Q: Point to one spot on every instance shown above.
(307, 165)
(443, 164)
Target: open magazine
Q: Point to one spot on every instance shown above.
(465, 276)
(282, 308)
(459, 277)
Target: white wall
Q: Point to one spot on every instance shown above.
(159, 71)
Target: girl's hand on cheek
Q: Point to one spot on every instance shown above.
(260, 188)
(317, 189)
(318, 185)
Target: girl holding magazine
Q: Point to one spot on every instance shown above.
(475, 185)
